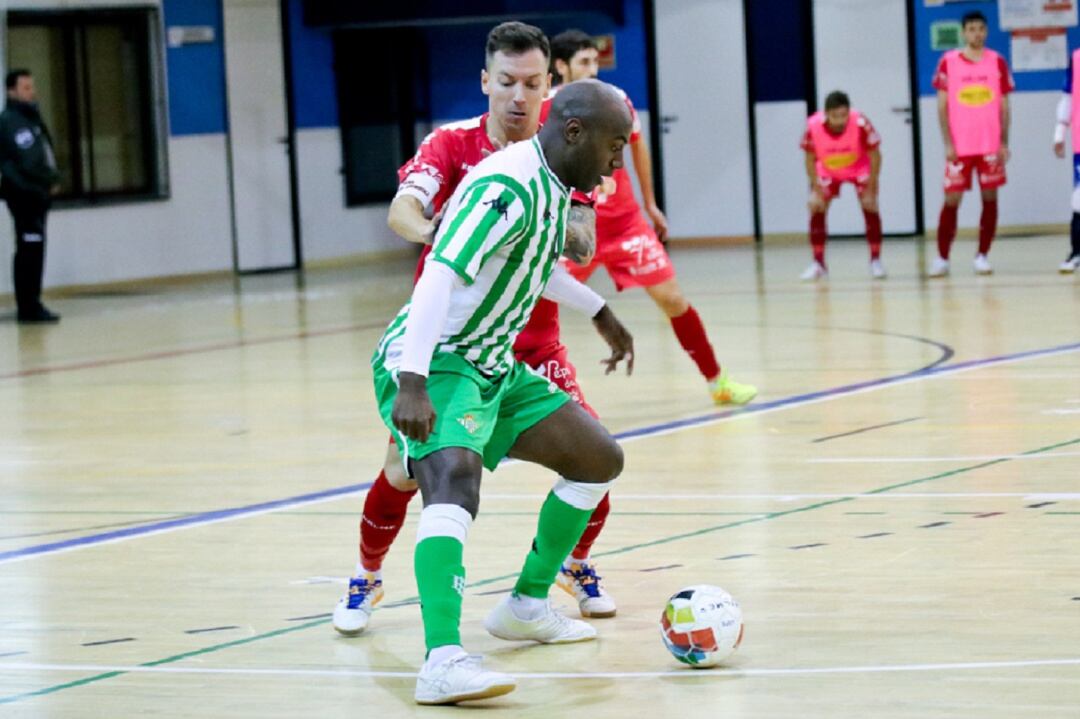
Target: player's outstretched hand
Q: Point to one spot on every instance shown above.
(413, 414)
(580, 246)
(618, 338)
(659, 222)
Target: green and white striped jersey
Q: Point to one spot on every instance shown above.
(502, 233)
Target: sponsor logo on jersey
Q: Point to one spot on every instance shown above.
(840, 160)
(975, 95)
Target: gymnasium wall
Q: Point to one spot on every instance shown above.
(1039, 185)
(189, 232)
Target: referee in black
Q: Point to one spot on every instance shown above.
(28, 177)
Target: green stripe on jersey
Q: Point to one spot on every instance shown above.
(503, 235)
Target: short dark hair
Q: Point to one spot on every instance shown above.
(836, 99)
(12, 78)
(567, 44)
(973, 16)
(515, 38)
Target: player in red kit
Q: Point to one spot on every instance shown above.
(973, 86)
(842, 146)
(629, 248)
(516, 81)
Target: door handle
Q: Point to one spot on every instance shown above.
(901, 110)
(669, 118)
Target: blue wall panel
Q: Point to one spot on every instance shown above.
(997, 40)
(314, 91)
(196, 73)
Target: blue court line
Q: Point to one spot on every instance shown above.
(662, 428)
(217, 515)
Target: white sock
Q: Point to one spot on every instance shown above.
(438, 655)
(361, 571)
(527, 608)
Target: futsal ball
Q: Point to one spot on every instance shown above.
(702, 625)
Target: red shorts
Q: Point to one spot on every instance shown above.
(958, 174)
(634, 258)
(553, 363)
(830, 186)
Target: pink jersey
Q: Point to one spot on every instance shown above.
(1075, 92)
(844, 156)
(432, 175)
(975, 91)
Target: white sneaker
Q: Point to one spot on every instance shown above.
(353, 611)
(458, 679)
(938, 268)
(579, 579)
(549, 628)
(982, 265)
(877, 270)
(1070, 265)
(816, 271)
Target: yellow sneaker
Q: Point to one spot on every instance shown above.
(725, 390)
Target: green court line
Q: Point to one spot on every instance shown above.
(491, 580)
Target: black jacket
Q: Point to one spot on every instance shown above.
(27, 162)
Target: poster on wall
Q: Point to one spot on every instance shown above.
(1027, 14)
(1039, 49)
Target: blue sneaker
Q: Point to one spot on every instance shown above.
(353, 611)
(579, 579)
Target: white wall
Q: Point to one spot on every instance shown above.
(188, 233)
(329, 229)
(782, 188)
(1039, 185)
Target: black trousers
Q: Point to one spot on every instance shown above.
(29, 212)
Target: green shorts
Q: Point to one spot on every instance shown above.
(472, 411)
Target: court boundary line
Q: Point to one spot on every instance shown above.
(660, 429)
(689, 673)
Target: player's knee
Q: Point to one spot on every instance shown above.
(610, 461)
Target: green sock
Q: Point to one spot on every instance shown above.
(440, 578)
(558, 530)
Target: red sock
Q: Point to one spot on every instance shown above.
(946, 230)
(592, 529)
(987, 225)
(818, 235)
(692, 337)
(873, 233)
(384, 514)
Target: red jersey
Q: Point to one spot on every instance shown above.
(432, 175)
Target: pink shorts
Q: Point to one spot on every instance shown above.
(958, 174)
(633, 259)
(553, 362)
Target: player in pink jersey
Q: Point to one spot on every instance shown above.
(973, 86)
(1069, 114)
(842, 146)
(516, 82)
(629, 249)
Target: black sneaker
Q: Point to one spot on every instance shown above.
(38, 316)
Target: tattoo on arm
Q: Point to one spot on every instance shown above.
(580, 235)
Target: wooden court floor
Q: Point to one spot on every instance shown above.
(182, 468)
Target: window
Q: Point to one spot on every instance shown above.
(382, 96)
(96, 83)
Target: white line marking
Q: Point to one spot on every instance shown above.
(1061, 411)
(677, 673)
(973, 458)
(796, 497)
